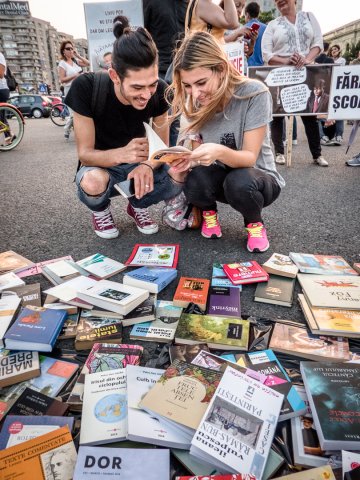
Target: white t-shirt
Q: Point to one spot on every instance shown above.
(283, 38)
(340, 61)
(3, 83)
(69, 71)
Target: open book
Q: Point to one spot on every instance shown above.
(159, 151)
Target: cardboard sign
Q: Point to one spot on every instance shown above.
(345, 93)
(235, 53)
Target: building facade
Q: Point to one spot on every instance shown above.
(344, 36)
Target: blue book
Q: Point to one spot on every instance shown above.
(220, 279)
(20, 428)
(35, 329)
(150, 278)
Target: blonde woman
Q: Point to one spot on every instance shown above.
(231, 115)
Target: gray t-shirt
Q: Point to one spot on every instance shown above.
(243, 114)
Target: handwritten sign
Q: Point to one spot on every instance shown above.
(345, 93)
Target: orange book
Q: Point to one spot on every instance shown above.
(193, 290)
(51, 455)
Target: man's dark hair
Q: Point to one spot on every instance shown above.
(326, 46)
(252, 9)
(133, 49)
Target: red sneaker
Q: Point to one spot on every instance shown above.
(142, 218)
(257, 239)
(104, 224)
(210, 226)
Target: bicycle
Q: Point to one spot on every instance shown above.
(11, 127)
(59, 114)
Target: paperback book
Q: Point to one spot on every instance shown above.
(92, 329)
(62, 271)
(333, 392)
(150, 278)
(9, 280)
(245, 272)
(36, 268)
(145, 312)
(154, 255)
(219, 277)
(192, 290)
(237, 429)
(223, 333)
(11, 261)
(31, 402)
(67, 291)
(281, 265)
(235, 476)
(101, 266)
(320, 473)
(350, 465)
(277, 290)
(159, 151)
(16, 367)
(9, 304)
(70, 326)
(29, 294)
(225, 302)
(186, 353)
(322, 264)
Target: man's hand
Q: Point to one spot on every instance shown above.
(143, 180)
(136, 151)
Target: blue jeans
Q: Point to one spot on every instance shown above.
(164, 187)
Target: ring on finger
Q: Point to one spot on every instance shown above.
(199, 162)
(147, 186)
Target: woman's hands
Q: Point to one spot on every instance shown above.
(205, 154)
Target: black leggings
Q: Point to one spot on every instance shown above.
(4, 97)
(247, 190)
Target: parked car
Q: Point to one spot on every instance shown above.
(32, 105)
(54, 99)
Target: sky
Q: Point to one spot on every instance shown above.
(68, 15)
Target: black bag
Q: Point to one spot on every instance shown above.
(10, 80)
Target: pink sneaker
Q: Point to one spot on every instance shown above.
(210, 227)
(142, 219)
(104, 224)
(257, 239)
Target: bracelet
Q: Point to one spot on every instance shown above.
(147, 165)
(176, 181)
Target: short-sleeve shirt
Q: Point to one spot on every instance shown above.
(69, 71)
(3, 83)
(119, 123)
(241, 115)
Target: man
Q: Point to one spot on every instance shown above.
(107, 60)
(324, 57)
(252, 11)
(111, 144)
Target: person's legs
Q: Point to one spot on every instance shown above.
(4, 97)
(313, 136)
(339, 132)
(277, 132)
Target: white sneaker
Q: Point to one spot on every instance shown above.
(324, 140)
(337, 140)
(321, 161)
(280, 159)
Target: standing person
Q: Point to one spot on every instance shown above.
(231, 114)
(293, 39)
(337, 140)
(111, 144)
(252, 11)
(69, 68)
(4, 95)
(335, 54)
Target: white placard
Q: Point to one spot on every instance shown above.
(345, 93)
(235, 53)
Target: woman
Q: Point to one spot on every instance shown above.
(69, 68)
(335, 54)
(230, 113)
(293, 39)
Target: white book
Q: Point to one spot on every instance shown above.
(9, 280)
(67, 291)
(104, 414)
(350, 462)
(237, 430)
(143, 427)
(9, 303)
(101, 266)
(113, 296)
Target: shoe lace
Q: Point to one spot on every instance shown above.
(255, 232)
(142, 215)
(211, 221)
(104, 219)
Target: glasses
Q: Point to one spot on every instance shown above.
(68, 48)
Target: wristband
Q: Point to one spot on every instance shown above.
(147, 165)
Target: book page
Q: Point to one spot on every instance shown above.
(159, 151)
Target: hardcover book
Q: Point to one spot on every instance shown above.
(240, 421)
(29, 294)
(331, 292)
(126, 463)
(150, 278)
(145, 312)
(331, 321)
(67, 291)
(104, 414)
(245, 272)
(321, 264)
(11, 261)
(224, 301)
(163, 328)
(50, 455)
(333, 392)
(9, 280)
(114, 296)
(154, 255)
(223, 333)
(31, 402)
(36, 268)
(281, 265)
(101, 266)
(182, 395)
(143, 427)
(298, 341)
(192, 290)
(219, 277)
(35, 328)
(16, 367)
(17, 429)
(92, 329)
(277, 290)
(9, 304)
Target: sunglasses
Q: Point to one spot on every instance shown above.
(68, 48)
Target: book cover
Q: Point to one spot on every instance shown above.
(67, 291)
(235, 476)
(16, 367)
(154, 255)
(62, 271)
(186, 353)
(104, 414)
(182, 394)
(17, 429)
(52, 455)
(240, 422)
(101, 266)
(9, 304)
(163, 328)
(31, 402)
(299, 342)
(331, 292)
(150, 278)
(113, 296)
(224, 301)
(321, 264)
(282, 265)
(11, 261)
(92, 329)
(192, 290)
(245, 272)
(35, 328)
(223, 333)
(277, 290)
(192, 464)
(9, 280)
(70, 326)
(36, 269)
(29, 294)
(143, 427)
(219, 277)
(356, 267)
(266, 363)
(333, 392)
(145, 312)
(331, 321)
(122, 463)
(350, 465)
(320, 473)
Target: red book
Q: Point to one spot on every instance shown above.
(236, 476)
(245, 272)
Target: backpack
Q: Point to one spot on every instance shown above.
(10, 80)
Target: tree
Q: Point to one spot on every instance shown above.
(266, 17)
(351, 51)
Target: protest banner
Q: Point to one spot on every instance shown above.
(292, 89)
(345, 93)
(99, 26)
(235, 53)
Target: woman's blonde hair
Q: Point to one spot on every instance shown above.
(201, 50)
